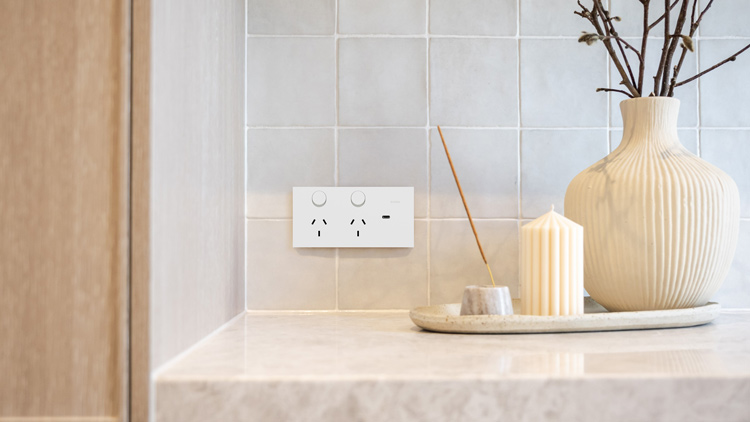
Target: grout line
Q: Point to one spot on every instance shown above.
(244, 168)
(303, 312)
(429, 156)
(608, 67)
(519, 144)
(519, 121)
(500, 37)
(423, 219)
(336, 261)
(725, 37)
(509, 128)
(698, 144)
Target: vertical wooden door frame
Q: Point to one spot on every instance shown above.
(140, 367)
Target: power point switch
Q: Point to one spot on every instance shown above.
(319, 198)
(358, 198)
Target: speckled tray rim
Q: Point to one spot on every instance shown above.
(446, 319)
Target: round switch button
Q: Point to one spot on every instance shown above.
(358, 198)
(319, 198)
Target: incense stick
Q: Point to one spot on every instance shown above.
(466, 207)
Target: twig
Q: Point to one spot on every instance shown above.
(693, 28)
(700, 18)
(614, 90)
(625, 43)
(662, 17)
(644, 42)
(692, 16)
(664, 49)
(612, 34)
(592, 17)
(471, 221)
(731, 58)
(673, 46)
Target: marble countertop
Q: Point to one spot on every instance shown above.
(378, 366)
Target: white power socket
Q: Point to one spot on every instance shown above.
(353, 217)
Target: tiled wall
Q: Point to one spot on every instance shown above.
(348, 92)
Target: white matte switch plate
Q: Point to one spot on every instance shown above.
(353, 217)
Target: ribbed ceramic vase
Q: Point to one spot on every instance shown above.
(660, 224)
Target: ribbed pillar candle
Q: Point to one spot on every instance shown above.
(552, 266)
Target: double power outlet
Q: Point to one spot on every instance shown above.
(353, 217)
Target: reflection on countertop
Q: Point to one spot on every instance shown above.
(360, 359)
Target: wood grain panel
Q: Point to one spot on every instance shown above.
(140, 368)
(64, 93)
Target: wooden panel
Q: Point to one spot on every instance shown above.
(64, 93)
(140, 368)
(188, 178)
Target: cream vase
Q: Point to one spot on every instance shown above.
(660, 224)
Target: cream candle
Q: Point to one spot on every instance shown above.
(552, 266)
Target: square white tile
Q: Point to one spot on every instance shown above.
(473, 82)
(290, 81)
(455, 261)
(397, 17)
(274, 17)
(687, 94)
(550, 159)
(725, 93)
(385, 157)
(473, 17)
(725, 18)
(391, 278)
(735, 292)
(559, 78)
(552, 18)
(280, 277)
(278, 160)
(688, 139)
(730, 151)
(486, 162)
(382, 82)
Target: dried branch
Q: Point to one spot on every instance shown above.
(700, 18)
(664, 49)
(692, 15)
(731, 58)
(614, 90)
(664, 83)
(620, 43)
(644, 41)
(624, 42)
(673, 46)
(693, 28)
(664, 16)
(594, 19)
(607, 20)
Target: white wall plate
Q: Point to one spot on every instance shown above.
(353, 217)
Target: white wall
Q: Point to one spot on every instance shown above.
(196, 172)
(348, 92)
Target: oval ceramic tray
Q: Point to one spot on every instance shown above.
(446, 319)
